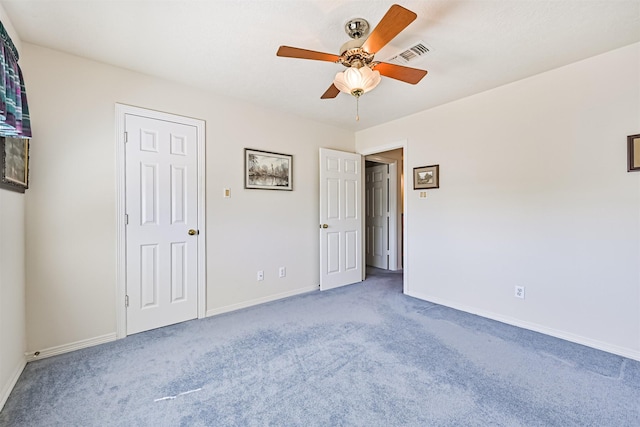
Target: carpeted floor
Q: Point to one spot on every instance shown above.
(363, 355)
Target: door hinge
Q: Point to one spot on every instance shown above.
(126, 300)
(126, 219)
(126, 137)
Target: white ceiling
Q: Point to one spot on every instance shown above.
(229, 47)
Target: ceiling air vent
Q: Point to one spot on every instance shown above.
(411, 54)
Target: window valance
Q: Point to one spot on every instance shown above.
(14, 110)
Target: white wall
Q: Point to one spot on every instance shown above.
(12, 275)
(534, 191)
(12, 291)
(71, 222)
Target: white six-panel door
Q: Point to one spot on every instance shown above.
(377, 216)
(162, 211)
(340, 218)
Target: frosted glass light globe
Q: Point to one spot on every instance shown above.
(357, 81)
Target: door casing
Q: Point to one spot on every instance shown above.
(121, 110)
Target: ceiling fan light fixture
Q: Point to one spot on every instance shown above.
(357, 81)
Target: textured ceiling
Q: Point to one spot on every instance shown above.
(229, 47)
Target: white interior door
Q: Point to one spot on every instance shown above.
(161, 180)
(377, 216)
(340, 218)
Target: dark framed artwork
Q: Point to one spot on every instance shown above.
(267, 171)
(14, 169)
(426, 177)
(633, 153)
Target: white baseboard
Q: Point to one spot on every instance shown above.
(8, 387)
(257, 301)
(567, 336)
(66, 348)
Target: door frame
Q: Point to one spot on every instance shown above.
(377, 150)
(121, 110)
(392, 195)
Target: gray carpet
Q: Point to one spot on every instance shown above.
(363, 355)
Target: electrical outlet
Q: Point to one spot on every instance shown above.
(282, 272)
(519, 292)
(260, 275)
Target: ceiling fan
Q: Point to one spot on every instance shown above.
(363, 73)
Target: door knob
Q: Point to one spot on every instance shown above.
(192, 232)
(324, 226)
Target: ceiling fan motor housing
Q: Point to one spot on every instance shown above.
(351, 56)
(351, 44)
(351, 52)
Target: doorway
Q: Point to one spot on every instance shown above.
(384, 196)
(377, 215)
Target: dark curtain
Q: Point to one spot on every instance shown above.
(14, 110)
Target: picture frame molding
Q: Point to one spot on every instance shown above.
(251, 184)
(8, 183)
(436, 174)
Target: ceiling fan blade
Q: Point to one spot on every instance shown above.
(395, 20)
(400, 72)
(332, 92)
(294, 52)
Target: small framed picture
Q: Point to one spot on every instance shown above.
(633, 153)
(425, 177)
(267, 171)
(14, 170)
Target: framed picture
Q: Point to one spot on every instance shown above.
(267, 171)
(14, 169)
(633, 153)
(426, 177)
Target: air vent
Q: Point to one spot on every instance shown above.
(411, 54)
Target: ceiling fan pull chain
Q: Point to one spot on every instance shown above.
(357, 109)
